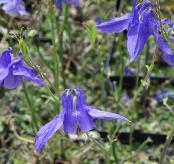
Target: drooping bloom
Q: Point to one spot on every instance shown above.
(141, 23)
(12, 70)
(75, 114)
(14, 7)
(60, 3)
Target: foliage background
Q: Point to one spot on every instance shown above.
(90, 59)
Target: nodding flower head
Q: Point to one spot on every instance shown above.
(75, 114)
(141, 22)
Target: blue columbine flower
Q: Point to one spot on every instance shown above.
(137, 24)
(12, 70)
(141, 23)
(75, 114)
(14, 7)
(60, 3)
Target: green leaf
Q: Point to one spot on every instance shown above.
(91, 31)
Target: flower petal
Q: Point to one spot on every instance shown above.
(6, 57)
(115, 24)
(168, 54)
(97, 114)
(12, 82)
(76, 3)
(169, 59)
(59, 3)
(15, 7)
(70, 122)
(163, 45)
(5, 61)
(8, 7)
(20, 69)
(4, 1)
(47, 131)
(3, 72)
(168, 22)
(171, 39)
(21, 10)
(84, 119)
(138, 34)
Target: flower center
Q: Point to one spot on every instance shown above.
(74, 104)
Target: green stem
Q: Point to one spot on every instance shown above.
(167, 106)
(168, 141)
(47, 86)
(138, 71)
(31, 106)
(114, 153)
(144, 83)
(55, 50)
(63, 28)
(120, 87)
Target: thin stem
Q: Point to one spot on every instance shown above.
(114, 152)
(55, 50)
(44, 77)
(29, 61)
(138, 71)
(168, 107)
(63, 28)
(170, 137)
(168, 141)
(144, 83)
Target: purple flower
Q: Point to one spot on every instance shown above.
(12, 70)
(160, 95)
(137, 24)
(60, 3)
(14, 7)
(167, 21)
(75, 114)
(141, 23)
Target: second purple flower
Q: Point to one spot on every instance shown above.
(12, 70)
